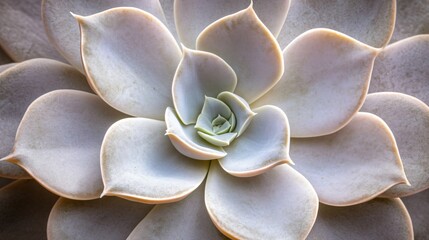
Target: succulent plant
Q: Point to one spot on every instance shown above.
(193, 119)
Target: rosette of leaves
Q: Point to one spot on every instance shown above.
(202, 114)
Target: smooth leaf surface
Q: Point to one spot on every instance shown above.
(126, 66)
(186, 140)
(20, 85)
(22, 35)
(192, 16)
(403, 67)
(206, 75)
(408, 118)
(264, 145)
(371, 22)
(417, 207)
(219, 140)
(168, 8)
(58, 142)
(376, 219)
(279, 204)
(411, 19)
(353, 165)
(139, 163)
(107, 218)
(187, 219)
(243, 41)
(63, 30)
(325, 82)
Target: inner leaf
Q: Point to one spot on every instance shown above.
(214, 107)
(219, 140)
(220, 125)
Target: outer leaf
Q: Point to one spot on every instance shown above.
(192, 16)
(263, 146)
(408, 118)
(417, 207)
(24, 210)
(187, 219)
(280, 204)
(325, 82)
(107, 218)
(22, 35)
(411, 19)
(168, 7)
(353, 165)
(22, 84)
(247, 45)
(4, 67)
(139, 163)
(371, 22)
(58, 142)
(403, 67)
(126, 65)
(63, 30)
(377, 219)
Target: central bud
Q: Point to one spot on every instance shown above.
(222, 125)
(216, 122)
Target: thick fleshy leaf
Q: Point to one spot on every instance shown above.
(108, 218)
(376, 219)
(369, 21)
(221, 125)
(192, 16)
(4, 67)
(22, 35)
(403, 67)
(213, 108)
(12, 171)
(139, 163)
(126, 65)
(352, 165)
(207, 75)
(324, 84)
(241, 109)
(24, 210)
(249, 48)
(63, 30)
(168, 8)
(58, 142)
(417, 206)
(4, 58)
(219, 140)
(187, 219)
(186, 140)
(264, 145)
(22, 84)
(411, 19)
(408, 118)
(204, 124)
(279, 204)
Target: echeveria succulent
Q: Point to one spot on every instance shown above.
(212, 119)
